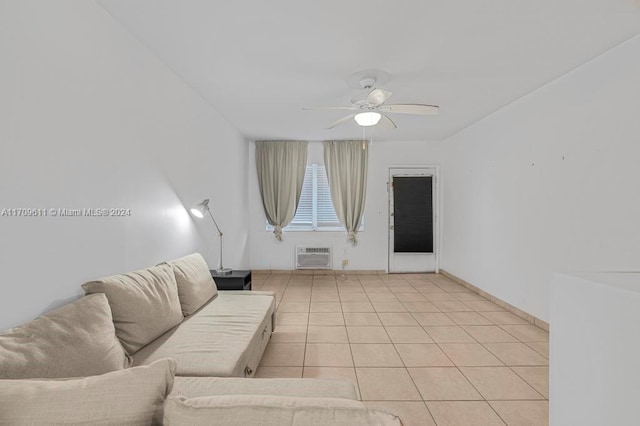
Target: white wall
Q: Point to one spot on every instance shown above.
(371, 252)
(593, 373)
(90, 118)
(549, 183)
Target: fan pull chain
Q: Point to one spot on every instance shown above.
(364, 138)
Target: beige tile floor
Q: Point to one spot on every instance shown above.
(419, 345)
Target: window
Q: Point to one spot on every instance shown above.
(315, 209)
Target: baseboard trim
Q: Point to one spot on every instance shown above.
(509, 307)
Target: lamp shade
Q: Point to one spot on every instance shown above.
(199, 209)
(369, 118)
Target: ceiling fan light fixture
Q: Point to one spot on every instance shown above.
(366, 119)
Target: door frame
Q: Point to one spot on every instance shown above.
(437, 223)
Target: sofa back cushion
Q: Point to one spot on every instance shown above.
(267, 410)
(72, 341)
(195, 284)
(134, 396)
(144, 304)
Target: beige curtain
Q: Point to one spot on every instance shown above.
(281, 167)
(346, 164)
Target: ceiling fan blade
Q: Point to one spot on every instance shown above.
(386, 123)
(417, 109)
(341, 121)
(377, 97)
(349, 108)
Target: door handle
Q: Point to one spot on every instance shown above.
(391, 227)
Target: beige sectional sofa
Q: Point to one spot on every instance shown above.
(173, 310)
(225, 338)
(161, 346)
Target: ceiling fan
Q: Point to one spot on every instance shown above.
(372, 110)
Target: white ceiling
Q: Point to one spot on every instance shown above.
(259, 62)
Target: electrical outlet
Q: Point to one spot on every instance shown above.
(345, 263)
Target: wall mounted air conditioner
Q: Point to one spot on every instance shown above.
(313, 257)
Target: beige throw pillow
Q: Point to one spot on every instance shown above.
(134, 396)
(268, 410)
(144, 304)
(195, 284)
(75, 340)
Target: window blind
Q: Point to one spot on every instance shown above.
(325, 212)
(315, 209)
(304, 213)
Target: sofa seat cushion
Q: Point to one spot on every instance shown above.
(269, 410)
(218, 340)
(75, 340)
(133, 396)
(193, 387)
(144, 304)
(195, 283)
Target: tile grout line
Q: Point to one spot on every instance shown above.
(306, 333)
(528, 345)
(457, 367)
(486, 401)
(349, 341)
(409, 373)
(527, 382)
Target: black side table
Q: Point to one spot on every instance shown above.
(236, 280)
